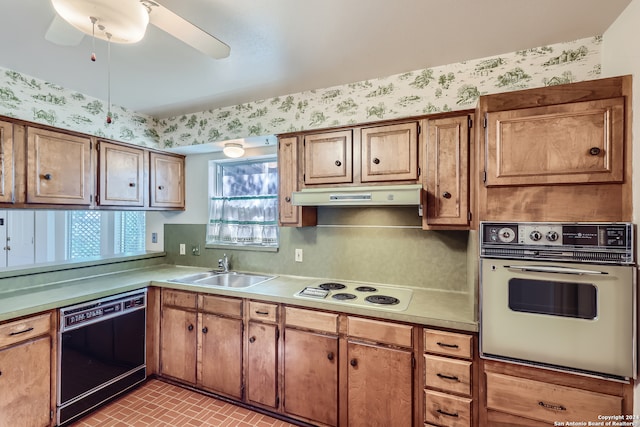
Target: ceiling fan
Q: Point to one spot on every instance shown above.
(125, 21)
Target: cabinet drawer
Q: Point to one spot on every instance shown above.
(448, 343)
(547, 402)
(220, 305)
(382, 332)
(316, 320)
(447, 410)
(179, 299)
(263, 311)
(448, 374)
(25, 329)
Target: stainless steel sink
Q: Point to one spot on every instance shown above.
(232, 279)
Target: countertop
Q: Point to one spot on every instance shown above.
(454, 310)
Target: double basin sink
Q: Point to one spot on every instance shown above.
(231, 279)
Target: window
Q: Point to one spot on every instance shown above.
(243, 203)
(95, 233)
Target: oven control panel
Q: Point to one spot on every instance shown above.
(93, 311)
(597, 242)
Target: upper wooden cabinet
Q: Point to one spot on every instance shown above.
(558, 153)
(288, 160)
(446, 181)
(58, 168)
(166, 174)
(121, 175)
(390, 153)
(579, 142)
(328, 158)
(6, 162)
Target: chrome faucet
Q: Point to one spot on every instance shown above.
(223, 263)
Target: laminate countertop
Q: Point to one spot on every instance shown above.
(452, 310)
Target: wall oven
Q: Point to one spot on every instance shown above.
(558, 295)
(101, 352)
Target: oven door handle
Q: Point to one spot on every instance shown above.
(555, 270)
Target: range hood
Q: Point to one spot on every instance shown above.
(379, 195)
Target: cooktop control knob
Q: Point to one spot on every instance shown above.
(535, 235)
(552, 236)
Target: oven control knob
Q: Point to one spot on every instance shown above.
(535, 235)
(552, 236)
(506, 235)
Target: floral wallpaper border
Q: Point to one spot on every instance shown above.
(430, 90)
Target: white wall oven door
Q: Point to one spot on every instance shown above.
(563, 315)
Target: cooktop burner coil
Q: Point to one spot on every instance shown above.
(343, 296)
(366, 289)
(331, 286)
(382, 299)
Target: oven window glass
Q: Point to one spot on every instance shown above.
(564, 299)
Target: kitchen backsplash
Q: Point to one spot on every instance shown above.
(445, 88)
(380, 245)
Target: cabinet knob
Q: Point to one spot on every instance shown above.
(594, 151)
(252, 340)
(160, 187)
(353, 362)
(205, 330)
(338, 163)
(190, 327)
(132, 184)
(330, 356)
(47, 176)
(376, 161)
(446, 195)
(287, 199)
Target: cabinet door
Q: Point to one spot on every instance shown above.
(328, 158)
(25, 384)
(390, 153)
(580, 142)
(121, 171)
(288, 179)
(311, 376)
(380, 382)
(220, 361)
(167, 181)
(58, 168)
(447, 177)
(6, 162)
(262, 365)
(178, 344)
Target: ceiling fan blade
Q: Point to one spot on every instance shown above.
(185, 31)
(62, 33)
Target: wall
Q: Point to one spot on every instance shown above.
(620, 56)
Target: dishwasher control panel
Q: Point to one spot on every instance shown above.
(93, 311)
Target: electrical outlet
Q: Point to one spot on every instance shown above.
(298, 255)
(183, 249)
(195, 250)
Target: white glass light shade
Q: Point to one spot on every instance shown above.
(232, 149)
(125, 20)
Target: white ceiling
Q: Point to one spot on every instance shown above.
(280, 47)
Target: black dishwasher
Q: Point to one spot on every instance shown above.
(101, 351)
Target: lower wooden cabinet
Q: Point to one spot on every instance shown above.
(311, 363)
(527, 396)
(262, 360)
(178, 344)
(26, 395)
(219, 366)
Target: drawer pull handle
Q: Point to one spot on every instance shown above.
(252, 340)
(447, 377)
(448, 414)
(594, 151)
(21, 332)
(262, 313)
(444, 344)
(552, 406)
